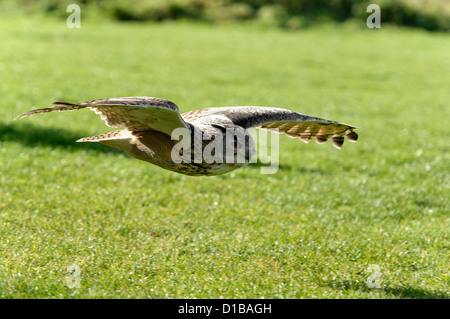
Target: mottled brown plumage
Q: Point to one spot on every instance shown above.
(150, 123)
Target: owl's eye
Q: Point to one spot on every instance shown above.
(236, 145)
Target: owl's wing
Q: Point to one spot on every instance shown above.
(133, 113)
(291, 123)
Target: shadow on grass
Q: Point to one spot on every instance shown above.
(287, 167)
(33, 136)
(399, 291)
(414, 293)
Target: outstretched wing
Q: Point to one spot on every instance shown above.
(133, 113)
(291, 123)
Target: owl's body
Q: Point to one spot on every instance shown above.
(203, 142)
(156, 148)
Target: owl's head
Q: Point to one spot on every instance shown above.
(237, 145)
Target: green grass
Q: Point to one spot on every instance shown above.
(309, 231)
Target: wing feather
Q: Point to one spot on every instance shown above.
(293, 124)
(133, 113)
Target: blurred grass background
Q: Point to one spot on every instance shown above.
(309, 231)
(290, 14)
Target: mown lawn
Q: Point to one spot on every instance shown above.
(309, 231)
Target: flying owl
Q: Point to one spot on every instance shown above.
(210, 141)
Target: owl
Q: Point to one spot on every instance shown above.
(204, 142)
